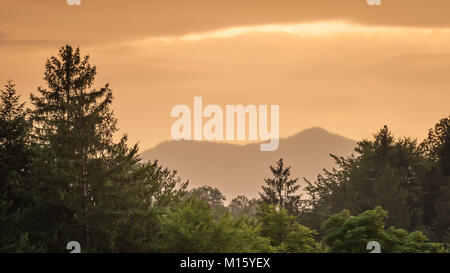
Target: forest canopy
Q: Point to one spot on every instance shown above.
(64, 178)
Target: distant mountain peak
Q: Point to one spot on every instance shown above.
(313, 131)
(316, 131)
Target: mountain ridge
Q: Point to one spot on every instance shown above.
(240, 169)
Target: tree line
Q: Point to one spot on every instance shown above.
(64, 178)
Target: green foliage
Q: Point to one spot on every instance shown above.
(191, 227)
(398, 240)
(66, 179)
(209, 195)
(162, 187)
(437, 145)
(347, 233)
(15, 157)
(285, 234)
(242, 206)
(437, 200)
(385, 172)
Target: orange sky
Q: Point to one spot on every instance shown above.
(340, 65)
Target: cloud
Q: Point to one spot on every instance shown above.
(107, 20)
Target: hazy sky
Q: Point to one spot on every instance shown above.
(341, 65)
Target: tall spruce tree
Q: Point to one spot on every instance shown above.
(76, 124)
(280, 190)
(13, 134)
(14, 165)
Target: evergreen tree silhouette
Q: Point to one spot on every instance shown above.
(280, 190)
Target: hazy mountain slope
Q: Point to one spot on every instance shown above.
(240, 169)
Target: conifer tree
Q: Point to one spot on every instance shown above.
(438, 145)
(76, 123)
(14, 166)
(280, 190)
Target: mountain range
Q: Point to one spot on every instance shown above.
(240, 169)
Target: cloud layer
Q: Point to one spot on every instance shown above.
(113, 20)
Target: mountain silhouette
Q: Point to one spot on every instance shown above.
(241, 169)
